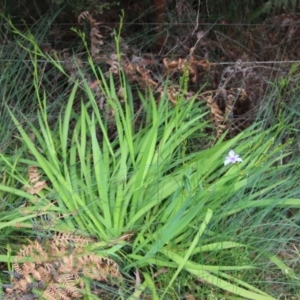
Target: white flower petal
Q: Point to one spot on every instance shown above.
(231, 153)
(232, 158)
(227, 161)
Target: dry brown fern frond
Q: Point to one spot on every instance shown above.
(87, 16)
(189, 64)
(95, 35)
(55, 269)
(216, 113)
(135, 70)
(225, 108)
(36, 185)
(174, 94)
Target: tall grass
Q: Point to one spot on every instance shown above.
(161, 211)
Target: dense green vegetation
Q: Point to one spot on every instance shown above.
(105, 171)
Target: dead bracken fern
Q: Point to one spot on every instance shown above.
(231, 92)
(223, 105)
(36, 185)
(190, 64)
(95, 35)
(214, 60)
(56, 268)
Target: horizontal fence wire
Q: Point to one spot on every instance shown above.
(211, 63)
(165, 24)
(171, 24)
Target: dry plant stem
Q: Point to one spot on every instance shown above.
(160, 10)
(197, 18)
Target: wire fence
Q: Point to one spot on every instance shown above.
(200, 25)
(222, 63)
(171, 24)
(278, 62)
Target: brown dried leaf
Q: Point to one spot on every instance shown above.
(36, 188)
(36, 185)
(33, 174)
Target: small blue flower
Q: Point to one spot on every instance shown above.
(232, 158)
